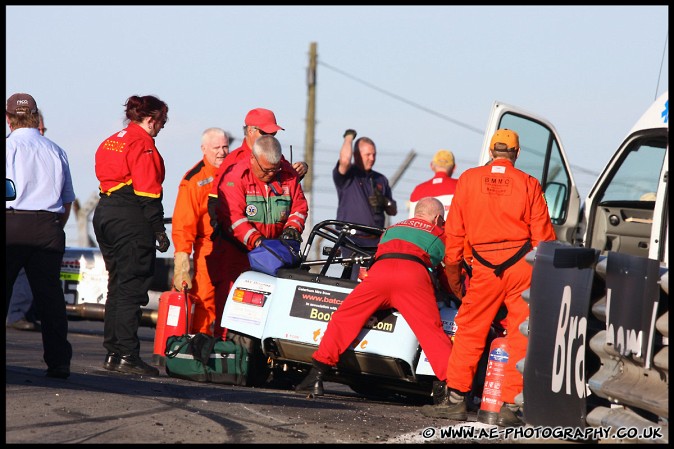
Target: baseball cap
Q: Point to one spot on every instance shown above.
(263, 119)
(505, 139)
(444, 159)
(21, 104)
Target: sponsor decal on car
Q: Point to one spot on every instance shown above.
(319, 305)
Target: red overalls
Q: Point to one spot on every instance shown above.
(440, 186)
(395, 283)
(248, 210)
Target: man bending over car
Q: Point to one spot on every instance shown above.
(260, 198)
(401, 277)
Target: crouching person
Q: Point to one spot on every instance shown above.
(399, 278)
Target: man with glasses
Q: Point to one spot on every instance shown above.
(258, 122)
(259, 198)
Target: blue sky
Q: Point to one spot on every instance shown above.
(410, 77)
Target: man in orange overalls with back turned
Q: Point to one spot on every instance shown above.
(500, 212)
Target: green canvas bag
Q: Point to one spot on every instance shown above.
(203, 358)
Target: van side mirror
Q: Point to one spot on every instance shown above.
(10, 190)
(555, 195)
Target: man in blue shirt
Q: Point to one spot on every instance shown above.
(22, 314)
(35, 239)
(364, 195)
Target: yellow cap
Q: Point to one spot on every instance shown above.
(444, 159)
(505, 139)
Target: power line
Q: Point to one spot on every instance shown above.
(404, 100)
(437, 114)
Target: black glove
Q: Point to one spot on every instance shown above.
(350, 131)
(216, 232)
(290, 233)
(377, 201)
(259, 241)
(163, 242)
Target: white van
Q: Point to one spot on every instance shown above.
(598, 343)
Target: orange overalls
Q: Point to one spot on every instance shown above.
(496, 210)
(191, 229)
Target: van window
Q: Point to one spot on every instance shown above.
(537, 141)
(636, 178)
(622, 218)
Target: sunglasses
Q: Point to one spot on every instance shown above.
(264, 133)
(268, 171)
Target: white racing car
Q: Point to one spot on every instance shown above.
(282, 318)
(85, 285)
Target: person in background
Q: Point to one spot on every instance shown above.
(441, 185)
(363, 194)
(22, 314)
(501, 213)
(35, 221)
(260, 198)
(128, 220)
(191, 229)
(399, 278)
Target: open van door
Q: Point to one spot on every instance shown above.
(543, 157)
(626, 210)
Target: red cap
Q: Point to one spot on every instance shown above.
(263, 119)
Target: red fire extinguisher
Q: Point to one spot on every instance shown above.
(499, 352)
(173, 318)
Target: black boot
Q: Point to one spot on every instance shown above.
(313, 383)
(510, 416)
(447, 403)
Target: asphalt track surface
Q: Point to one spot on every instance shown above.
(95, 406)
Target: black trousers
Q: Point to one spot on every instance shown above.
(36, 241)
(127, 244)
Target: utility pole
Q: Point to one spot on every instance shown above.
(403, 168)
(307, 183)
(397, 175)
